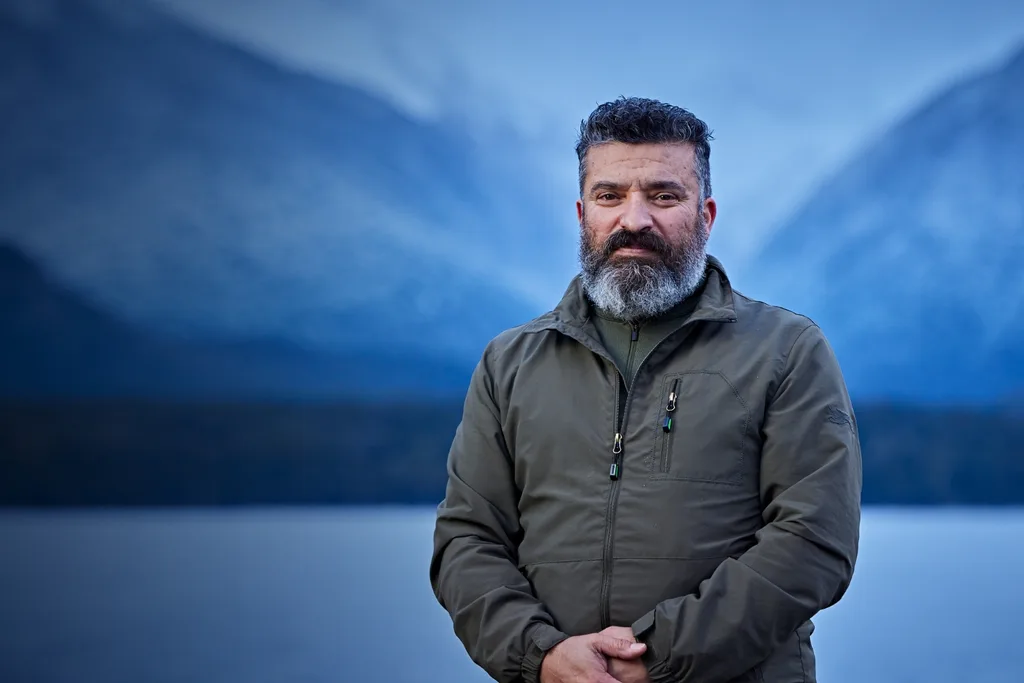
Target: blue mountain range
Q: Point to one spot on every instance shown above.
(910, 256)
(183, 217)
(197, 192)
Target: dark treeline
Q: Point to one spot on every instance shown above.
(139, 453)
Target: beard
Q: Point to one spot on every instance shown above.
(638, 287)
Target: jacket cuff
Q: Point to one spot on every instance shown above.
(540, 638)
(658, 670)
(643, 625)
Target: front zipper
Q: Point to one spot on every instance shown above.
(615, 474)
(617, 445)
(615, 471)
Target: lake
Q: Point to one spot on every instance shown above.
(335, 594)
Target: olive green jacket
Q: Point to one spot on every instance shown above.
(711, 501)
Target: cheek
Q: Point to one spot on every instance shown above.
(597, 225)
(597, 236)
(681, 228)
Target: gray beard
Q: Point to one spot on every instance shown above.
(636, 289)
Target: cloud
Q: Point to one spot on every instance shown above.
(791, 90)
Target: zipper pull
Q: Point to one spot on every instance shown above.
(636, 333)
(613, 471)
(672, 396)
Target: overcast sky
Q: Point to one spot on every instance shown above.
(791, 88)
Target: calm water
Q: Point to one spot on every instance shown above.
(342, 595)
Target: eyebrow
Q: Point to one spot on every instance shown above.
(603, 185)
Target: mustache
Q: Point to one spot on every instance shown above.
(622, 239)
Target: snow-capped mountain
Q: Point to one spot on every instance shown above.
(911, 258)
(189, 185)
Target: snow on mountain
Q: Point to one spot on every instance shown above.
(910, 257)
(189, 185)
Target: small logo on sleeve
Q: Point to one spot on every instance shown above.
(836, 416)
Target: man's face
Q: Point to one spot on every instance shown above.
(643, 227)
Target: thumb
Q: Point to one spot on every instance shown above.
(620, 648)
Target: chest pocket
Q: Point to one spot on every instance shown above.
(700, 430)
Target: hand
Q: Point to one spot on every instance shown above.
(630, 670)
(584, 659)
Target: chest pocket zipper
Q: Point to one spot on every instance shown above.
(703, 410)
(666, 425)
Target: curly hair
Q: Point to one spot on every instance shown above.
(637, 120)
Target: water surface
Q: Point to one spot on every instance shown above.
(311, 595)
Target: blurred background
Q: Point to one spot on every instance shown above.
(250, 251)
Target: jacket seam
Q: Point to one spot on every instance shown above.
(697, 480)
(629, 557)
(543, 562)
(496, 352)
(784, 362)
(803, 665)
(493, 407)
(752, 300)
(672, 557)
(803, 538)
(785, 359)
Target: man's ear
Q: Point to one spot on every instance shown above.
(579, 211)
(710, 210)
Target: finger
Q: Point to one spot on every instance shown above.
(618, 647)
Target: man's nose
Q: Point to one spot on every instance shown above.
(635, 214)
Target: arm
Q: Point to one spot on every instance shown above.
(474, 571)
(804, 557)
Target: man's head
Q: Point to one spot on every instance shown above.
(645, 207)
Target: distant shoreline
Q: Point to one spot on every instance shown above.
(128, 454)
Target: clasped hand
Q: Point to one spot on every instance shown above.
(611, 656)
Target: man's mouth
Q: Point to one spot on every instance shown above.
(634, 251)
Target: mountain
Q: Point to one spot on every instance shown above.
(54, 344)
(910, 256)
(190, 186)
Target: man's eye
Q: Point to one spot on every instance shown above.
(665, 197)
(606, 196)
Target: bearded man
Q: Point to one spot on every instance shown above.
(659, 480)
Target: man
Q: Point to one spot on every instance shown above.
(659, 459)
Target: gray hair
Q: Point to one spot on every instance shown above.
(637, 120)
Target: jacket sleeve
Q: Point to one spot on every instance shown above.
(474, 572)
(804, 556)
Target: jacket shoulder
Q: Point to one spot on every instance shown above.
(499, 363)
(772, 315)
(797, 335)
(788, 328)
(505, 345)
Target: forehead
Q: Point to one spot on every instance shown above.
(623, 162)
